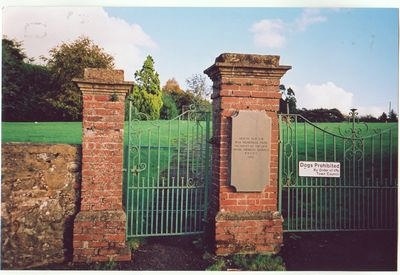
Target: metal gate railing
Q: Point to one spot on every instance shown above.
(362, 196)
(167, 174)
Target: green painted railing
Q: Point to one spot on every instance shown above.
(363, 197)
(167, 174)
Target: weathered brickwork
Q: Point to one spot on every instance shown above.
(248, 232)
(99, 228)
(244, 82)
(39, 199)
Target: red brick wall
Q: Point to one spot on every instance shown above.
(100, 236)
(102, 152)
(244, 82)
(248, 232)
(263, 96)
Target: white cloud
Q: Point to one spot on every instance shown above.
(269, 33)
(375, 111)
(326, 95)
(42, 28)
(307, 18)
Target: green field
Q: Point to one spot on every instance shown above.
(369, 148)
(151, 141)
(42, 132)
(62, 132)
(71, 132)
(328, 140)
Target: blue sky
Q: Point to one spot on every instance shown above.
(341, 57)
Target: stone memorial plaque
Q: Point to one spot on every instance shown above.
(250, 151)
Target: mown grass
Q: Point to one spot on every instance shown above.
(71, 132)
(373, 143)
(42, 132)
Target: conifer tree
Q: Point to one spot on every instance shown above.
(146, 94)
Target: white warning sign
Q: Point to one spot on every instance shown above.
(319, 169)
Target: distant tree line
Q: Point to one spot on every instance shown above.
(288, 105)
(32, 92)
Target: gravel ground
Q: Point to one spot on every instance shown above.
(344, 251)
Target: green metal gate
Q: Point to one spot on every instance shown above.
(167, 174)
(356, 188)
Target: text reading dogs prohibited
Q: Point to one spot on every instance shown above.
(319, 169)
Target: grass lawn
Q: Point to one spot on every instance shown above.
(71, 132)
(377, 143)
(42, 132)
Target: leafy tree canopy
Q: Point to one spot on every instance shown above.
(26, 87)
(169, 109)
(12, 70)
(322, 115)
(67, 61)
(172, 86)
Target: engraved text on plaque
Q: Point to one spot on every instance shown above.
(250, 151)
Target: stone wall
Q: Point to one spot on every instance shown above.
(39, 199)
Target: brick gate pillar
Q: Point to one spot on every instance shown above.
(99, 228)
(246, 215)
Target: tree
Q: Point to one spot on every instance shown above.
(169, 109)
(197, 85)
(26, 87)
(181, 98)
(322, 115)
(172, 87)
(12, 62)
(392, 116)
(146, 94)
(198, 91)
(368, 118)
(287, 104)
(39, 88)
(383, 117)
(67, 61)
